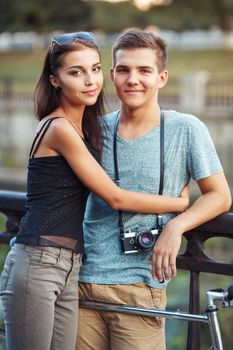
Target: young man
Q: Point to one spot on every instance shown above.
(109, 274)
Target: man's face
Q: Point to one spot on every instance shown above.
(136, 77)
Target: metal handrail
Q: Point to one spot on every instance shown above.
(194, 259)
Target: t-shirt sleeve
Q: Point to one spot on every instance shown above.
(203, 160)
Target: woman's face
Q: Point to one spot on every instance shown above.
(80, 77)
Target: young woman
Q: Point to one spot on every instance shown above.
(39, 288)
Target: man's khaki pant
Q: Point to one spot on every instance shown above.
(101, 330)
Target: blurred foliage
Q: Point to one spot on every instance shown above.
(73, 15)
(43, 15)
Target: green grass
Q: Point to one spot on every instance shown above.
(27, 65)
(216, 62)
(21, 64)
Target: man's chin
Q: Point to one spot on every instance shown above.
(131, 105)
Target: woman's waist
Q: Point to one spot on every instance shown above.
(69, 243)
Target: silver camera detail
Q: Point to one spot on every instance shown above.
(133, 242)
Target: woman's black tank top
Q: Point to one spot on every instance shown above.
(56, 198)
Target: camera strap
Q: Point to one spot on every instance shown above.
(117, 178)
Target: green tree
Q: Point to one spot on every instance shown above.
(71, 15)
(224, 9)
(44, 15)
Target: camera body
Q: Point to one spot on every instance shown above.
(133, 242)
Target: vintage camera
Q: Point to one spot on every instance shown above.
(132, 242)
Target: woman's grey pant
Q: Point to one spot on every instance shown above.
(39, 292)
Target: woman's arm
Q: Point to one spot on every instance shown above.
(62, 138)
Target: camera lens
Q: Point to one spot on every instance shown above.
(145, 240)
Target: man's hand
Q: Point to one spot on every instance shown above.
(165, 251)
(215, 200)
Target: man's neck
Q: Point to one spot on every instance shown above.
(134, 123)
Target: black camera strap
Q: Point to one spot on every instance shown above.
(117, 178)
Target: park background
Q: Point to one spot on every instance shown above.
(200, 47)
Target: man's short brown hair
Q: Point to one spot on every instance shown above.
(136, 39)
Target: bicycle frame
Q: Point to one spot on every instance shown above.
(209, 317)
(226, 298)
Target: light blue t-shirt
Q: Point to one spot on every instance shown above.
(189, 153)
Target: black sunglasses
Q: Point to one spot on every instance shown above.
(69, 38)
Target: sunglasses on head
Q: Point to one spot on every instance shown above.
(69, 38)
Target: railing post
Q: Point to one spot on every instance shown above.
(193, 91)
(8, 89)
(193, 339)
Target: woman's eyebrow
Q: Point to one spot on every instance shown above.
(83, 67)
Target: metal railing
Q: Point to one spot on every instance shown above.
(194, 259)
(218, 94)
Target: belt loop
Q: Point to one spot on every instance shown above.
(60, 253)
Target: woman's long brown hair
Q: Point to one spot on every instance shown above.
(47, 98)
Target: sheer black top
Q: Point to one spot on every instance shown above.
(56, 199)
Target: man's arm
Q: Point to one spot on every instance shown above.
(215, 200)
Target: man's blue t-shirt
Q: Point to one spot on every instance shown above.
(189, 153)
